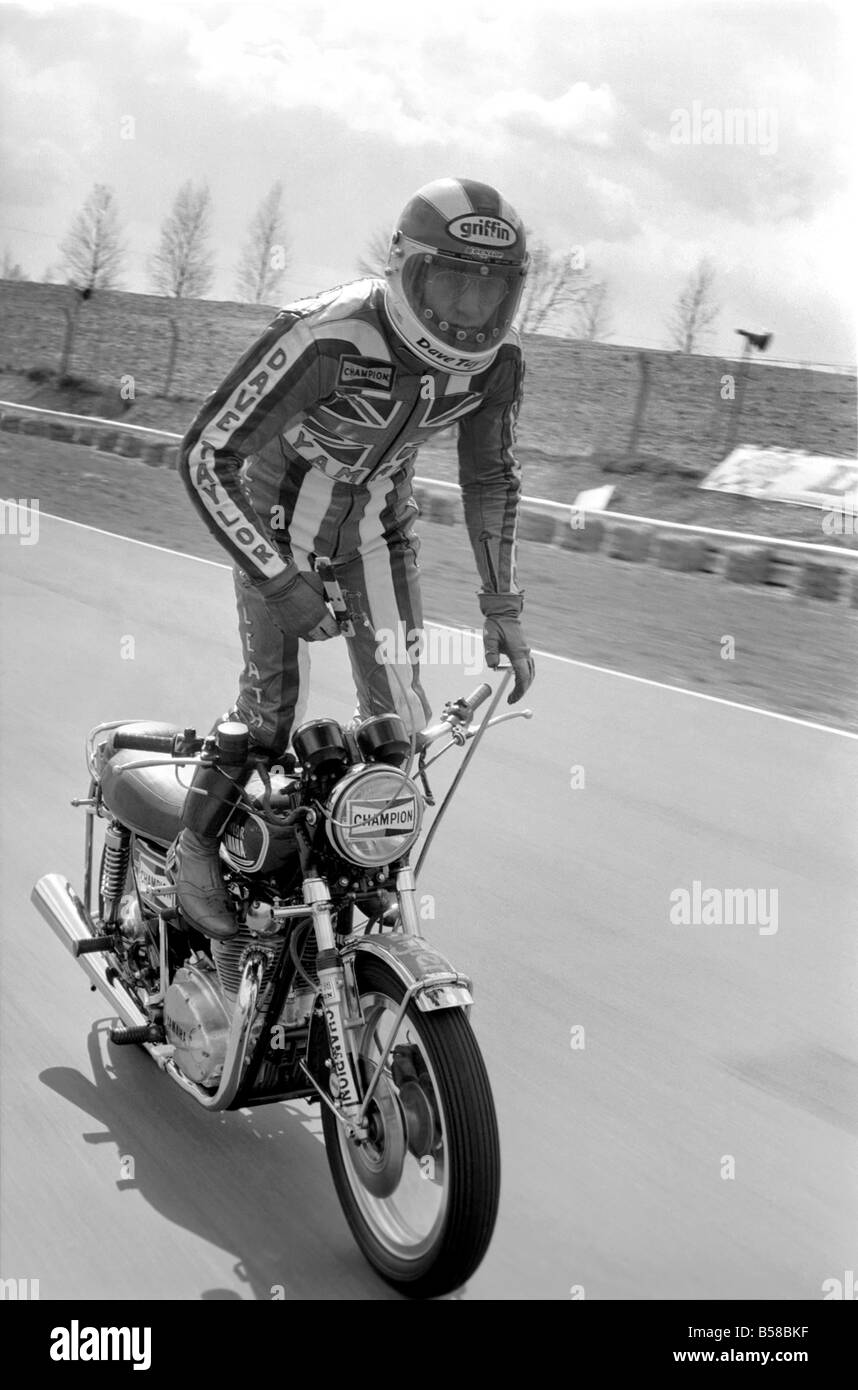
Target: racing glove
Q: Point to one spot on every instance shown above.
(502, 635)
(295, 605)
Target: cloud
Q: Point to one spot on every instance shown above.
(257, 67)
(583, 114)
(49, 126)
(401, 80)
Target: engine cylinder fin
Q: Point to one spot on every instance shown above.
(229, 957)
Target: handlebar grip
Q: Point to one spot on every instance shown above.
(146, 743)
(479, 697)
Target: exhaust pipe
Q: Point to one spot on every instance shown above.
(68, 918)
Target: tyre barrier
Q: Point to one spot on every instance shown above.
(105, 442)
(773, 565)
(685, 553)
(153, 454)
(819, 581)
(129, 446)
(748, 564)
(586, 536)
(58, 429)
(536, 526)
(438, 507)
(630, 543)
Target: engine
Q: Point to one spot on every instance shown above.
(200, 1001)
(196, 1021)
(229, 956)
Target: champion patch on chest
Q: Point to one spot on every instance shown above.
(366, 372)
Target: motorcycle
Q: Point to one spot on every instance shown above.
(328, 992)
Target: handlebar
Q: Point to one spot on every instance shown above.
(179, 745)
(455, 713)
(148, 743)
(481, 694)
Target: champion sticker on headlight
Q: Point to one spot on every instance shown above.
(374, 814)
(373, 818)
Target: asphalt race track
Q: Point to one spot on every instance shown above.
(701, 1044)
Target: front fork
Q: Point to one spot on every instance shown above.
(340, 997)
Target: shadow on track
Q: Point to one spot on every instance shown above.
(255, 1185)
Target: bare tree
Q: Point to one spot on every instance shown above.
(263, 258)
(182, 267)
(92, 254)
(11, 270)
(557, 283)
(594, 313)
(374, 259)
(93, 250)
(695, 310)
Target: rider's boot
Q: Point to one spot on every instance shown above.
(200, 888)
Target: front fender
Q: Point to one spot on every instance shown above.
(417, 964)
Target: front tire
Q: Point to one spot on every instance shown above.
(421, 1195)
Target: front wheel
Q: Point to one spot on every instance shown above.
(421, 1192)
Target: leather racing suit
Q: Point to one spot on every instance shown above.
(307, 450)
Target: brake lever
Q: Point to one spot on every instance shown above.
(159, 762)
(500, 719)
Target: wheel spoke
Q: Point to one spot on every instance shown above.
(407, 1218)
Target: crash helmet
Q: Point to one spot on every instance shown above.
(456, 270)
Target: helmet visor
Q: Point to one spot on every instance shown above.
(462, 303)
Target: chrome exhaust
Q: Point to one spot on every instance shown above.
(69, 920)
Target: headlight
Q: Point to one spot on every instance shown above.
(374, 815)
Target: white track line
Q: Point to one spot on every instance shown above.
(552, 656)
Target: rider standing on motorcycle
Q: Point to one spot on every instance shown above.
(306, 452)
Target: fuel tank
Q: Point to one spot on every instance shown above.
(254, 843)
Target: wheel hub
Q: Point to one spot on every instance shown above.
(417, 1100)
(378, 1159)
(419, 1119)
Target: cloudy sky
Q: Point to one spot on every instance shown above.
(611, 126)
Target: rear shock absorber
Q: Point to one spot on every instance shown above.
(114, 868)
